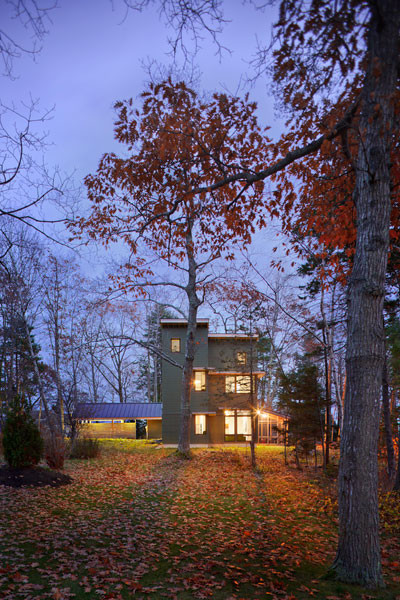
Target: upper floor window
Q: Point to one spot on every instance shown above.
(241, 358)
(175, 344)
(238, 384)
(199, 381)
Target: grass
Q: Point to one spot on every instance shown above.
(142, 522)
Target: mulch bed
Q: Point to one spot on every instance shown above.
(32, 477)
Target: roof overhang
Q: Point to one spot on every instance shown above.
(244, 373)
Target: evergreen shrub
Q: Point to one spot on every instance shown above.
(22, 442)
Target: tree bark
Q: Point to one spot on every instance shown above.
(187, 375)
(358, 554)
(391, 467)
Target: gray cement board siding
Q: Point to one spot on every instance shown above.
(217, 353)
(220, 399)
(222, 354)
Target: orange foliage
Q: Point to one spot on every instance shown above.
(176, 145)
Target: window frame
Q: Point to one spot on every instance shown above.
(203, 384)
(235, 384)
(241, 357)
(172, 340)
(200, 421)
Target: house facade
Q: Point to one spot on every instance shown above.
(224, 387)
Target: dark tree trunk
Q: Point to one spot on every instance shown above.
(396, 487)
(187, 375)
(358, 555)
(391, 467)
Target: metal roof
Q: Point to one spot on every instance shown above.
(117, 410)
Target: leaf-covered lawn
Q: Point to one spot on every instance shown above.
(140, 522)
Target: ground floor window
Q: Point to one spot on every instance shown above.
(237, 425)
(199, 424)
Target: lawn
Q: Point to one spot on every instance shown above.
(140, 522)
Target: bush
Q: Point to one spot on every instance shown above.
(22, 442)
(85, 447)
(55, 452)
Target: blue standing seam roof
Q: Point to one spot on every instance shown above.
(116, 410)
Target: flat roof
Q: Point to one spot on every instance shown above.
(182, 321)
(244, 373)
(242, 336)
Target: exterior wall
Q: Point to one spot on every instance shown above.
(217, 428)
(213, 354)
(222, 354)
(219, 399)
(110, 430)
(171, 381)
(154, 429)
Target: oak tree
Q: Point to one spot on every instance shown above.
(150, 198)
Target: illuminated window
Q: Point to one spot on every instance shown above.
(237, 425)
(241, 358)
(237, 384)
(199, 424)
(243, 425)
(229, 424)
(175, 344)
(230, 384)
(199, 381)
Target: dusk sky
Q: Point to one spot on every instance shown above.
(93, 56)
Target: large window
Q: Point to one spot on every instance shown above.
(199, 381)
(175, 344)
(237, 425)
(237, 384)
(199, 424)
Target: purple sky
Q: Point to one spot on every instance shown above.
(93, 57)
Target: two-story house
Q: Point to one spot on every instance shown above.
(224, 386)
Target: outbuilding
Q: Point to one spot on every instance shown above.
(119, 420)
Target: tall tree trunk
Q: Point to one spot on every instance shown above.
(52, 429)
(187, 375)
(391, 467)
(328, 386)
(396, 486)
(60, 397)
(358, 554)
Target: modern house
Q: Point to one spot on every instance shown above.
(224, 387)
(223, 398)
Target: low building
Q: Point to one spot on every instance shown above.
(119, 420)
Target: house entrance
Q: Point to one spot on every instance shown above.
(237, 425)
